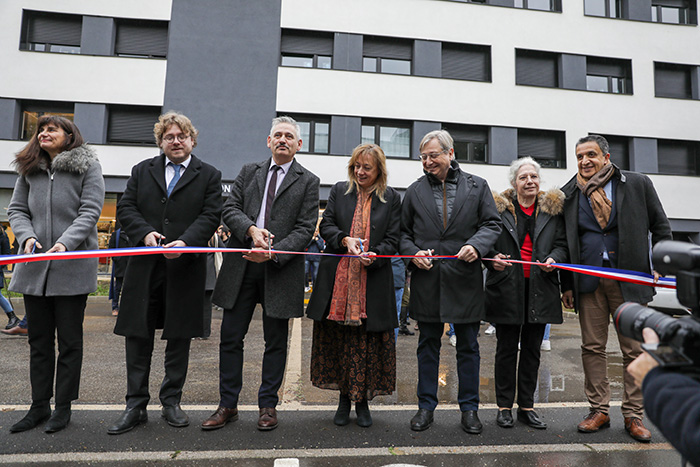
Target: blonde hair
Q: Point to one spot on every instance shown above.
(171, 118)
(377, 154)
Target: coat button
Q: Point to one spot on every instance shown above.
(163, 199)
(166, 222)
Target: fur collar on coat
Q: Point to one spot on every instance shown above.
(77, 160)
(550, 202)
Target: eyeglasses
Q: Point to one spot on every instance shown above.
(432, 156)
(170, 138)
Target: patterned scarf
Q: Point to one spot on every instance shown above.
(349, 302)
(593, 189)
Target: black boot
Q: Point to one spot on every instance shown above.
(59, 418)
(404, 331)
(364, 418)
(12, 320)
(38, 412)
(342, 415)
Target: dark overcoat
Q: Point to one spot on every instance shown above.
(452, 290)
(190, 214)
(639, 212)
(293, 218)
(385, 220)
(505, 290)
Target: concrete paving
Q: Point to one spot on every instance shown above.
(306, 430)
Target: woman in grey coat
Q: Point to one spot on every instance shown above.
(522, 299)
(55, 207)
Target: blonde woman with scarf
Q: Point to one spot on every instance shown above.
(353, 302)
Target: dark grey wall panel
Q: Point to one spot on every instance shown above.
(501, 2)
(419, 130)
(9, 118)
(92, 121)
(345, 134)
(115, 184)
(222, 73)
(695, 82)
(644, 155)
(636, 9)
(572, 71)
(503, 145)
(347, 52)
(427, 58)
(97, 37)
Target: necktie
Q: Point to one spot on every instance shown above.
(173, 182)
(271, 190)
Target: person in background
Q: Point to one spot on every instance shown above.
(118, 239)
(398, 269)
(404, 322)
(354, 305)
(546, 344)
(522, 299)
(55, 207)
(316, 245)
(12, 319)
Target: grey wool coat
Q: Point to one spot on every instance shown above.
(640, 213)
(452, 290)
(190, 214)
(62, 203)
(292, 221)
(505, 290)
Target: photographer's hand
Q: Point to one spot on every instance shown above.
(645, 362)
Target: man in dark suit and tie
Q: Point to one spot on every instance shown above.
(610, 215)
(273, 200)
(174, 200)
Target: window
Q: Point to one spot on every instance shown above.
(32, 110)
(673, 80)
(51, 32)
(315, 133)
(470, 142)
(141, 38)
(129, 124)
(387, 55)
(535, 68)
(393, 137)
(465, 61)
(606, 8)
(678, 157)
(307, 49)
(545, 146)
(544, 5)
(608, 75)
(670, 11)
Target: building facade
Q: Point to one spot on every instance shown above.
(507, 78)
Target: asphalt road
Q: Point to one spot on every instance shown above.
(306, 435)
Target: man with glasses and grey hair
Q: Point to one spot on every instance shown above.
(273, 203)
(447, 212)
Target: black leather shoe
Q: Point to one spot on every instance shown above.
(422, 420)
(364, 418)
(174, 415)
(505, 418)
(404, 331)
(471, 423)
(12, 320)
(38, 413)
(58, 421)
(530, 418)
(128, 420)
(342, 415)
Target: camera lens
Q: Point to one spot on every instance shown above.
(630, 318)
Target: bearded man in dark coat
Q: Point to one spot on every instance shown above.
(175, 200)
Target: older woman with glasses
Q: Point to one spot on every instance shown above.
(522, 299)
(55, 207)
(353, 302)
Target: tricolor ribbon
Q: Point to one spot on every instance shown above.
(622, 275)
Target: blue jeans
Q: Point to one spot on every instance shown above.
(5, 304)
(398, 293)
(451, 332)
(546, 332)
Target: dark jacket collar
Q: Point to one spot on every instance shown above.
(453, 173)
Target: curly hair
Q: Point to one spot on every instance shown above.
(170, 118)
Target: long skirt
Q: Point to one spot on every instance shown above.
(360, 364)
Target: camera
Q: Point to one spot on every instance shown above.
(679, 338)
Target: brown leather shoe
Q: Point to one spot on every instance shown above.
(221, 417)
(16, 331)
(268, 419)
(635, 428)
(594, 422)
